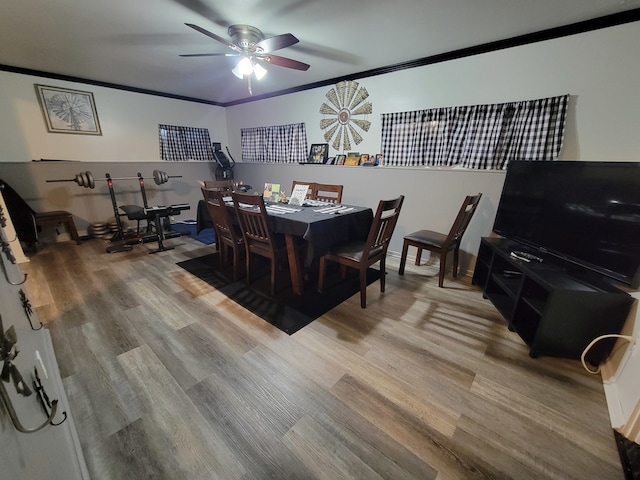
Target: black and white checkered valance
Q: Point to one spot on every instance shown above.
(476, 136)
(184, 143)
(275, 144)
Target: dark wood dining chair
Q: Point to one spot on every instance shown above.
(362, 254)
(328, 193)
(311, 192)
(259, 238)
(442, 243)
(228, 234)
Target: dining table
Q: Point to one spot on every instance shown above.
(310, 230)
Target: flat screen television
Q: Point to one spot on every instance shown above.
(586, 213)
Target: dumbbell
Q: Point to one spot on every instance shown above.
(86, 179)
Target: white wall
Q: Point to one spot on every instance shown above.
(129, 123)
(599, 69)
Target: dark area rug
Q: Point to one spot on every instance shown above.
(285, 310)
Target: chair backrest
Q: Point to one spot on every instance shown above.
(311, 192)
(461, 222)
(219, 213)
(223, 185)
(328, 193)
(382, 227)
(254, 223)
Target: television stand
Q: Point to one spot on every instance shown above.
(555, 311)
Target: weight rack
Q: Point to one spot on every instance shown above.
(121, 242)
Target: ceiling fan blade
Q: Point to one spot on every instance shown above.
(277, 42)
(214, 36)
(283, 62)
(204, 9)
(208, 55)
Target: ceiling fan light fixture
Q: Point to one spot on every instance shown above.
(259, 71)
(250, 44)
(244, 66)
(237, 73)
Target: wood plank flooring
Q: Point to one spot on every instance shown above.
(168, 379)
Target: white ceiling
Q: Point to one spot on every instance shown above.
(136, 43)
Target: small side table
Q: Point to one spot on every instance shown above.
(55, 218)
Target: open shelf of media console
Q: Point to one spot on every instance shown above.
(557, 308)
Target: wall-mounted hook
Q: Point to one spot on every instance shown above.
(26, 305)
(7, 251)
(8, 352)
(43, 398)
(14, 416)
(3, 224)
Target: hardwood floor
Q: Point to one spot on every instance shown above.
(168, 379)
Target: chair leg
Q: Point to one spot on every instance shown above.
(403, 258)
(343, 271)
(443, 264)
(273, 276)
(418, 256)
(248, 268)
(363, 287)
(236, 257)
(383, 273)
(455, 262)
(222, 254)
(73, 232)
(321, 274)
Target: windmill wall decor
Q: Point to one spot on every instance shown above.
(346, 117)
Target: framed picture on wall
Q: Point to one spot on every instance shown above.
(318, 153)
(68, 111)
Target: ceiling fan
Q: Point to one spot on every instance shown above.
(249, 43)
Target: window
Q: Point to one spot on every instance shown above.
(477, 136)
(184, 143)
(275, 144)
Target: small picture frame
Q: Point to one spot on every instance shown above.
(318, 153)
(340, 159)
(330, 160)
(364, 158)
(68, 111)
(379, 158)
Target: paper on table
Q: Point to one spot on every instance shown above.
(281, 209)
(336, 209)
(272, 192)
(299, 194)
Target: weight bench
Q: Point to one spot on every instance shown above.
(161, 212)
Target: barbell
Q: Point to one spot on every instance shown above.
(87, 180)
